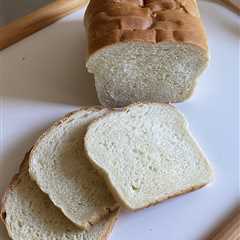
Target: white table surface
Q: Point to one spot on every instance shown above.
(43, 77)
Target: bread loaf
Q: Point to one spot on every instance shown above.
(145, 50)
(29, 214)
(146, 154)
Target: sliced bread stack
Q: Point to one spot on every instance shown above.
(76, 198)
(96, 160)
(29, 214)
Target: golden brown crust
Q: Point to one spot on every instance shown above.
(113, 21)
(110, 224)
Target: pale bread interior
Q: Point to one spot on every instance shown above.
(61, 169)
(30, 215)
(146, 154)
(138, 71)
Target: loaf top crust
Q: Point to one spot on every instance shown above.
(153, 21)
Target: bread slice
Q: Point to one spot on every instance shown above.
(146, 154)
(61, 169)
(151, 50)
(29, 214)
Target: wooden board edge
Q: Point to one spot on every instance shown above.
(25, 26)
(228, 229)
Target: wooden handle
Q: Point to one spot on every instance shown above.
(37, 20)
(230, 230)
(233, 6)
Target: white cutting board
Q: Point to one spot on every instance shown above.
(43, 77)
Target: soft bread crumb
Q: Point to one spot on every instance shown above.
(131, 72)
(146, 154)
(61, 169)
(29, 214)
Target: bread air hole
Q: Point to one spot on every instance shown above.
(4, 215)
(135, 188)
(154, 169)
(20, 224)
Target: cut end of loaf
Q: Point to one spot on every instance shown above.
(136, 71)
